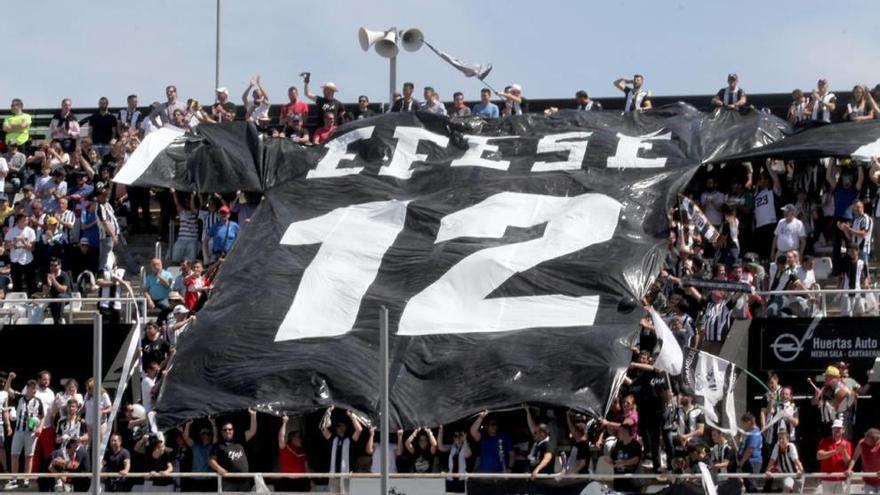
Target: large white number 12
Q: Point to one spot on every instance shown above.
(354, 240)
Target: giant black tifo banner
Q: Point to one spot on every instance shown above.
(811, 344)
(859, 140)
(510, 256)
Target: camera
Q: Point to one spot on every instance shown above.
(307, 76)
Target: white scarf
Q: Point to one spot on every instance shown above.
(634, 100)
(533, 454)
(460, 453)
(730, 95)
(346, 444)
(826, 114)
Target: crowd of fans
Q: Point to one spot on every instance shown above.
(767, 225)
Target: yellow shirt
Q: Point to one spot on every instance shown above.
(4, 214)
(19, 136)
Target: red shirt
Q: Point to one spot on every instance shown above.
(322, 135)
(190, 296)
(834, 464)
(870, 462)
(299, 107)
(292, 460)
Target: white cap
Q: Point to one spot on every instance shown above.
(788, 483)
(516, 87)
(223, 90)
(838, 423)
(180, 309)
(330, 85)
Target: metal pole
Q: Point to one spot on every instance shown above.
(217, 49)
(97, 340)
(384, 420)
(392, 77)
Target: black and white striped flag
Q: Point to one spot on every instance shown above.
(696, 216)
(712, 379)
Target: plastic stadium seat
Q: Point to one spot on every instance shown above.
(17, 296)
(822, 267)
(76, 305)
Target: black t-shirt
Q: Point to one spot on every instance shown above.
(102, 127)
(113, 463)
(77, 463)
(422, 461)
(537, 454)
(649, 388)
(158, 464)
(401, 106)
(4, 259)
(583, 454)
(64, 279)
(325, 105)
(358, 114)
(231, 457)
(625, 452)
(154, 351)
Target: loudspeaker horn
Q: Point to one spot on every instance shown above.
(367, 37)
(387, 45)
(412, 39)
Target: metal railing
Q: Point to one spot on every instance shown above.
(820, 295)
(653, 479)
(39, 305)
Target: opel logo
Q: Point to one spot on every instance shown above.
(787, 347)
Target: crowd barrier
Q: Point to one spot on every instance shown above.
(852, 482)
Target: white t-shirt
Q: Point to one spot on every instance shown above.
(147, 385)
(258, 112)
(4, 398)
(376, 466)
(105, 403)
(20, 255)
(61, 400)
(789, 234)
(4, 167)
(765, 208)
(712, 202)
(807, 277)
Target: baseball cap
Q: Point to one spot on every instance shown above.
(52, 221)
(223, 90)
(789, 483)
(789, 208)
(838, 423)
(224, 209)
(180, 309)
(516, 87)
(3, 197)
(832, 371)
(330, 85)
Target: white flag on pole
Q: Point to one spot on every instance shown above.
(480, 71)
(671, 357)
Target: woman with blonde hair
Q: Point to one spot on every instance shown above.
(105, 406)
(862, 106)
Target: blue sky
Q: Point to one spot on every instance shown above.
(88, 49)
